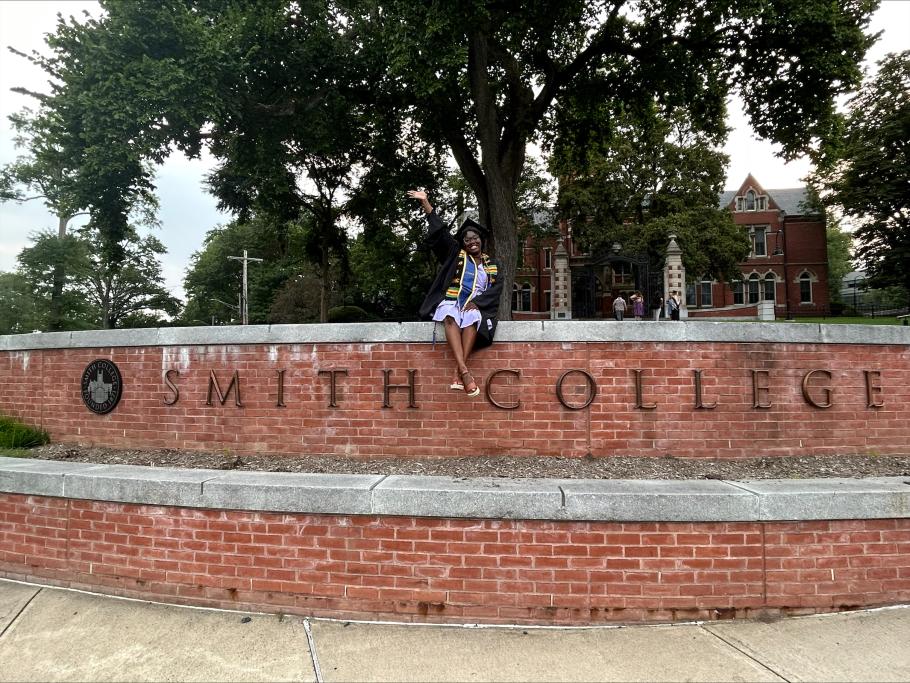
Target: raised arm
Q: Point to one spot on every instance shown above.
(421, 196)
(439, 241)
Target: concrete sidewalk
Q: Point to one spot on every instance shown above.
(48, 634)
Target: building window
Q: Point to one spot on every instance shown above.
(622, 274)
(752, 201)
(737, 292)
(547, 258)
(805, 288)
(690, 295)
(547, 301)
(770, 286)
(707, 300)
(521, 297)
(753, 288)
(759, 237)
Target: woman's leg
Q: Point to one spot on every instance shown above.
(453, 337)
(468, 337)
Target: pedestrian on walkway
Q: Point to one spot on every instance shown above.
(657, 305)
(619, 307)
(638, 305)
(673, 303)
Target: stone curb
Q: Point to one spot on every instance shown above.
(611, 500)
(508, 331)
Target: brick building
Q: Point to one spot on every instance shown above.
(786, 270)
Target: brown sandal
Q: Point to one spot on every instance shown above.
(468, 380)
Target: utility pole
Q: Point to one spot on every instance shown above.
(244, 303)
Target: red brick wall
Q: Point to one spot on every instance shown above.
(450, 570)
(447, 423)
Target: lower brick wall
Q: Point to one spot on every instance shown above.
(455, 570)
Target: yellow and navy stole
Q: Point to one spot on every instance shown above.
(463, 286)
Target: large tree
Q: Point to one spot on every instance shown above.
(483, 77)
(644, 175)
(42, 176)
(865, 175)
(97, 292)
(479, 77)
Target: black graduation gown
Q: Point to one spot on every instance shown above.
(446, 250)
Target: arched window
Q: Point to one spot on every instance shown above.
(770, 287)
(750, 201)
(805, 287)
(753, 288)
(521, 297)
(738, 292)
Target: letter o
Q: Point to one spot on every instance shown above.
(592, 389)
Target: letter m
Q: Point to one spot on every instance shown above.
(222, 397)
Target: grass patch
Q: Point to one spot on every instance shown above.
(17, 435)
(15, 453)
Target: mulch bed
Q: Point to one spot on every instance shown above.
(613, 467)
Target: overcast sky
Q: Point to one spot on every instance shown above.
(188, 212)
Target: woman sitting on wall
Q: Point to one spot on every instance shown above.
(465, 294)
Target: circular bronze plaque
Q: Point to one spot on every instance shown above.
(102, 386)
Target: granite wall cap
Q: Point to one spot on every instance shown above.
(482, 497)
(140, 485)
(422, 332)
(39, 477)
(640, 500)
(343, 494)
(808, 499)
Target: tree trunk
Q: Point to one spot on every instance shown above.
(324, 286)
(500, 216)
(56, 315)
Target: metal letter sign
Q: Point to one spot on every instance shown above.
(102, 386)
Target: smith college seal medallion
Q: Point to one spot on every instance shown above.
(102, 386)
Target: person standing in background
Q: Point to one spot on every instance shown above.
(673, 304)
(619, 307)
(657, 305)
(638, 305)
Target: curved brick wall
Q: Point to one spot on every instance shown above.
(693, 389)
(442, 550)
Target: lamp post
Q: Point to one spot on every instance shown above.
(780, 250)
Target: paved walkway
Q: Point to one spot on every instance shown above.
(48, 634)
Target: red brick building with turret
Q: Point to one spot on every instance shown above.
(787, 267)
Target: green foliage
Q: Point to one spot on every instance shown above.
(350, 93)
(95, 291)
(284, 288)
(349, 314)
(866, 175)
(645, 176)
(20, 309)
(15, 434)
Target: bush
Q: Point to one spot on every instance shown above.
(349, 314)
(14, 434)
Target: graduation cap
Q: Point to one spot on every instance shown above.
(474, 226)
